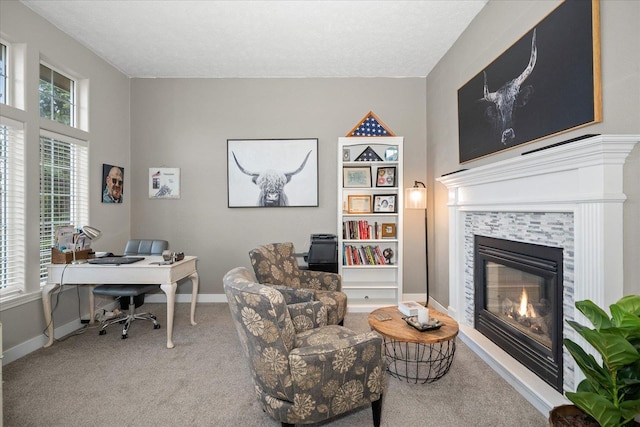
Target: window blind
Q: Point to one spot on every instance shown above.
(64, 191)
(12, 207)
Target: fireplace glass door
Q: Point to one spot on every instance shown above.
(518, 302)
(521, 300)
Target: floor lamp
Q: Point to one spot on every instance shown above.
(416, 198)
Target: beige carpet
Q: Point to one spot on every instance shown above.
(91, 380)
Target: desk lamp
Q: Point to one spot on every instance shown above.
(92, 234)
(416, 198)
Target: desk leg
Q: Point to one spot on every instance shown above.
(170, 290)
(92, 305)
(46, 306)
(194, 297)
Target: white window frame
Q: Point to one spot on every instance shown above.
(73, 96)
(7, 73)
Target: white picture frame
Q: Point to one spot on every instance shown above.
(164, 183)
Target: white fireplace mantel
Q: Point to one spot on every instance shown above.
(584, 178)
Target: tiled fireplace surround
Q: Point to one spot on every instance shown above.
(568, 196)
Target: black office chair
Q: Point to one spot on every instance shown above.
(135, 293)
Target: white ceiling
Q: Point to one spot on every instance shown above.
(267, 38)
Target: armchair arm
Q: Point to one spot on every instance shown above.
(294, 295)
(351, 369)
(308, 315)
(320, 280)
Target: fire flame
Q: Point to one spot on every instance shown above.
(525, 308)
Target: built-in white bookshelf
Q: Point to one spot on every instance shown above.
(370, 210)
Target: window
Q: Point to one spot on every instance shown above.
(3, 73)
(64, 163)
(12, 207)
(57, 96)
(64, 200)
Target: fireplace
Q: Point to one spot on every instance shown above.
(569, 196)
(518, 302)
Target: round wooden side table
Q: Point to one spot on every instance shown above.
(414, 356)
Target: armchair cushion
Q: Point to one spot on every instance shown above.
(307, 315)
(276, 264)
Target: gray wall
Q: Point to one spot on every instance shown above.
(143, 123)
(109, 132)
(185, 123)
(495, 28)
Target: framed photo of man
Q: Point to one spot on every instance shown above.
(112, 183)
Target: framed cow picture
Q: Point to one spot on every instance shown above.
(548, 82)
(266, 173)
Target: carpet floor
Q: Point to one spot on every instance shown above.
(92, 380)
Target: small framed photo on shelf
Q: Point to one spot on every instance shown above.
(356, 177)
(386, 177)
(384, 203)
(388, 230)
(357, 204)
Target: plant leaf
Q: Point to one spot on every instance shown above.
(626, 322)
(630, 409)
(615, 350)
(630, 303)
(598, 407)
(595, 374)
(595, 314)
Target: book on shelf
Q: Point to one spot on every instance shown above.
(361, 230)
(362, 255)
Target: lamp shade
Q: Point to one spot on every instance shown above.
(91, 232)
(415, 198)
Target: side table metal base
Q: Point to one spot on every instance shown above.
(417, 362)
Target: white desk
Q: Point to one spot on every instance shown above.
(141, 272)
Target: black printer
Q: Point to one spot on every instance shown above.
(323, 253)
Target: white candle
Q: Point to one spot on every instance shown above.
(423, 315)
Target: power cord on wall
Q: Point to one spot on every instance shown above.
(79, 331)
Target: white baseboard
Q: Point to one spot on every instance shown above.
(22, 349)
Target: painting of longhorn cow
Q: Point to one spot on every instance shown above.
(546, 83)
(272, 173)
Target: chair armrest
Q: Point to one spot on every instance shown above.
(308, 315)
(293, 295)
(320, 280)
(357, 360)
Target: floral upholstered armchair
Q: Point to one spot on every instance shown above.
(307, 375)
(276, 264)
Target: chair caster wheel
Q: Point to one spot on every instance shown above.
(153, 317)
(102, 332)
(124, 337)
(156, 326)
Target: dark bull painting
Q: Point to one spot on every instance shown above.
(546, 83)
(272, 172)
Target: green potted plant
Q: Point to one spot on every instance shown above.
(610, 392)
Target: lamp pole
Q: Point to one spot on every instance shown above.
(416, 198)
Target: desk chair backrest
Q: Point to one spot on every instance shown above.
(145, 247)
